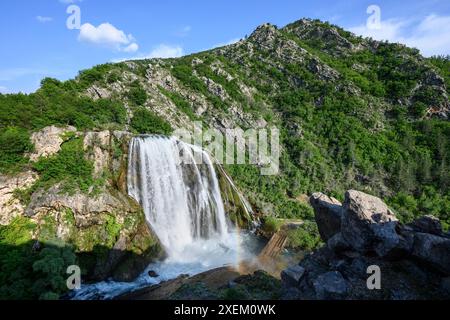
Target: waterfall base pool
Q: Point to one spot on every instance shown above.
(198, 257)
(182, 202)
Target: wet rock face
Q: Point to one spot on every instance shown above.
(413, 260)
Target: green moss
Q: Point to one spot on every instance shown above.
(113, 229)
(18, 232)
(47, 229)
(69, 217)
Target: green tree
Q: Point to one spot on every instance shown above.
(146, 122)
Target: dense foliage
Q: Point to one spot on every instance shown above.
(28, 271)
(14, 144)
(146, 122)
(57, 103)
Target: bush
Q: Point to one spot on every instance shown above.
(69, 166)
(27, 273)
(271, 225)
(180, 102)
(305, 237)
(50, 268)
(146, 122)
(137, 95)
(14, 144)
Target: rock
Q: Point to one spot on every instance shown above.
(215, 88)
(445, 284)
(358, 267)
(328, 213)
(433, 250)
(338, 244)
(84, 207)
(427, 224)
(331, 286)
(10, 206)
(97, 146)
(292, 275)
(96, 92)
(36, 246)
(153, 274)
(48, 141)
(105, 267)
(368, 225)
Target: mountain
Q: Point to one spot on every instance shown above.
(354, 113)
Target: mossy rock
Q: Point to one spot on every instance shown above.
(234, 206)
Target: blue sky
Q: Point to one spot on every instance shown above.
(37, 42)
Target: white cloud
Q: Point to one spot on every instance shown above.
(131, 48)
(166, 51)
(3, 89)
(162, 51)
(431, 35)
(223, 44)
(388, 30)
(109, 36)
(44, 19)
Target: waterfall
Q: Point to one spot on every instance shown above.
(181, 198)
(177, 186)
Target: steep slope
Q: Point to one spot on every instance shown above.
(353, 114)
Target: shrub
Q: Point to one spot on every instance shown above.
(146, 122)
(271, 225)
(50, 270)
(137, 94)
(14, 144)
(305, 237)
(69, 166)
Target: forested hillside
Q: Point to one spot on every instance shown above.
(353, 113)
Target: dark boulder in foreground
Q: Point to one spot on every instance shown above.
(328, 214)
(371, 255)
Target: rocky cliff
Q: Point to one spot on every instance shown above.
(105, 227)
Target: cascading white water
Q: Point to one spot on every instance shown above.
(181, 199)
(182, 203)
